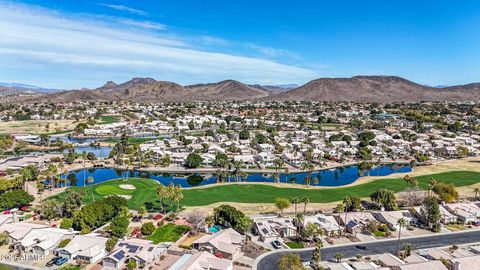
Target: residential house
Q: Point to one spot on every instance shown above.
(328, 223)
(201, 260)
(42, 241)
(227, 242)
(391, 217)
(88, 248)
(274, 228)
(144, 252)
(465, 212)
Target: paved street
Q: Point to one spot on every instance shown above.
(269, 262)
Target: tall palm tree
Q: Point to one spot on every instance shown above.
(295, 201)
(401, 224)
(307, 166)
(305, 201)
(476, 190)
(278, 163)
(90, 181)
(162, 194)
(317, 252)
(178, 196)
(238, 169)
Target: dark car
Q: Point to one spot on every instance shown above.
(51, 262)
(61, 261)
(276, 244)
(361, 247)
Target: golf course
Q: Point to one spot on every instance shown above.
(144, 190)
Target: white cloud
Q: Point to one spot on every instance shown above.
(37, 45)
(144, 24)
(124, 8)
(273, 52)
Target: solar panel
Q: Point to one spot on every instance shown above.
(133, 249)
(119, 255)
(150, 248)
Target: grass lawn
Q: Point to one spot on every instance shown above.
(455, 227)
(168, 233)
(109, 119)
(258, 193)
(294, 245)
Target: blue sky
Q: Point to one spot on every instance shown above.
(84, 43)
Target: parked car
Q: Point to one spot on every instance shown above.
(51, 262)
(61, 261)
(276, 244)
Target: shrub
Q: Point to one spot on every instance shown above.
(64, 242)
(66, 223)
(148, 228)
(15, 198)
(119, 226)
(110, 245)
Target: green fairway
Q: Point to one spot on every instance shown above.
(258, 193)
(254, 193)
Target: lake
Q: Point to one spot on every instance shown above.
(331, 177)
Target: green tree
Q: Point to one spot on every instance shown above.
(290, 261)
(73, 202)
(111, 243)
(119, 226)
(431, 212)
(351, 203)
(401, 224)
(193, 161)
(131, 264)
(446, 191)
(317, 253)
(282, 204)
(147, 228)
(15, 198)
(244, 135)
(384, 198)
(67, 223)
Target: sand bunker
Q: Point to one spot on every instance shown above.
(128, 197)
(127, 186)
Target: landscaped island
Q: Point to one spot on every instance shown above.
(145, 190)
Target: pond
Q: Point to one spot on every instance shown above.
(331, 177)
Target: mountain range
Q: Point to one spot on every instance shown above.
(381, 89)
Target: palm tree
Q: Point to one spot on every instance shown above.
(317, 252)
(476, 190)
(90, 181)
(408, 248)
(238, 169)
(295, 201)
(401, 224)
(177, 196)
(300, 219)
(431, 184)
(339, 256)
(278, 163)
(307, 166)
(162, 194)
(305, 201)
